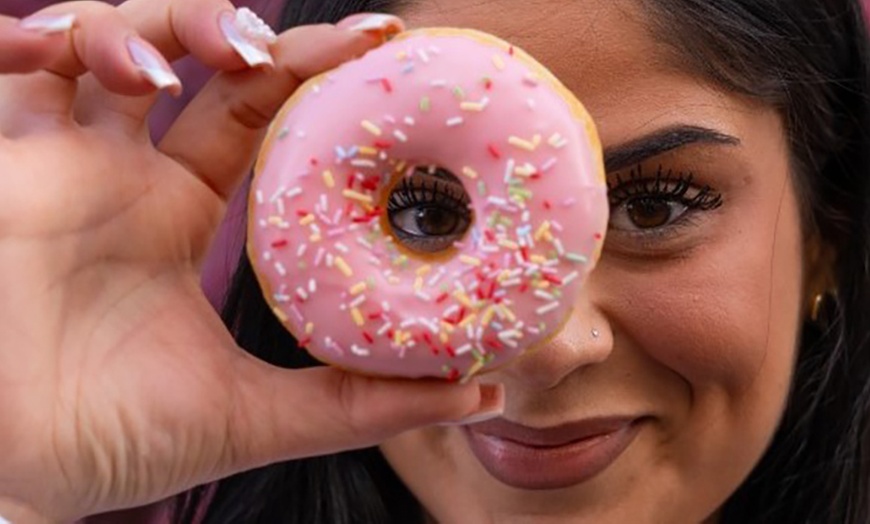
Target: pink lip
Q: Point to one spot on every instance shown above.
(549, 458)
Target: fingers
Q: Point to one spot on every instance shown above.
(217, 135)
(285, 414)
(33, 43)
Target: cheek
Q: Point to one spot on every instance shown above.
(725, 317)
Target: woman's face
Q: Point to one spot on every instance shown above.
(676, 364)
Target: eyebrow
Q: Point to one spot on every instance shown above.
(659, 142)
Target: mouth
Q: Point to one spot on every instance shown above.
(550, 458)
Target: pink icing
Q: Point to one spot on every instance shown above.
(333, 274)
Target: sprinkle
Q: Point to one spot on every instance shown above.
(307, 219)
(471, 261)
(423, 270)
(259, 195)
(296, 191)
(309, 328)
(576, 258)
(455, 121)
(356, 195)
(557, 141)
(422, 295)
(279, 267)
(543, 310)
(400, 136)
(470, 173)
(474, 106)
(531, 79)
(358, 301)
(383, 329)
(371, 128)
(359, 350)
(528, 145)
(498, 62)
(358, 288)
(418, 283)
(328, 179)
(343, 267)
(409, 121)
(357, 317)
(424, 56)
(385, 83)
(570, 277)
(458, 92)
(312, 286)
(425, 104)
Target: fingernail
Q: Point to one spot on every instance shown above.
(249, 35)
(491, 406)
(153, 66)
(48, 24)
(383, 25)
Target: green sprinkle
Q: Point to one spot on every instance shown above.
(481, 188)
(425, 104)
(574, 257)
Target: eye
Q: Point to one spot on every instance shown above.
(647, 203)
(428, 210)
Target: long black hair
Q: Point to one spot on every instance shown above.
(807, 58)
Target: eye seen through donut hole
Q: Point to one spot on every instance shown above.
(428, 209)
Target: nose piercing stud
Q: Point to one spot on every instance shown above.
(595, 333)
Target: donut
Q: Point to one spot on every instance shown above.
(430, 209)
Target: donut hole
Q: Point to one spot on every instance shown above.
(428, 210)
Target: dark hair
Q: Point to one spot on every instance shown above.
(808, 59)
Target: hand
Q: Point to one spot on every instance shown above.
(119, 385)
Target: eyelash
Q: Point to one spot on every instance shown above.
(428, 192)
(664, 185)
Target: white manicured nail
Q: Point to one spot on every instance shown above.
(153, 66)
(378, 22)
(249, 35)
(48, 24)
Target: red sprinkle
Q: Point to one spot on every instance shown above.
(511, 50)
(524, 251)
(453, 375)
(383, 144)
(487, 83)
(493, 343)
(490, 236)
(547, 205)
(280, 243)
(304, 342)
(371, 183)
(441, 298)
(301, 213)
(523, 287)
(350, 181)
(493, 151)
(369, 338)
(598, 236)
(375, 315)
(388, 87)
(553, 279)
(312, 161)
(449, 349)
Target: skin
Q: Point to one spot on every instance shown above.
(698, 322)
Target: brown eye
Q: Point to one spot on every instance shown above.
(645, 213)
(428, 210)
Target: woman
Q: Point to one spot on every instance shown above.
(698, 336)
(697, 333)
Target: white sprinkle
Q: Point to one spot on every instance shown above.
(455, 121)
(296, 313)
(543, 295)
(383, 329)
(319, 256)
(385, 306)
(357, 302)
(463, 349)
(277, 194)
(259, 195)
(400, 136)
(569, 202)
(548, 165)
(279, 267)
(409, 121)
(543, 310)
(422, 295)
(570, 277)
(509, 169)
(429, 324)
(334, 232)
(408, 322)
(359, 351)
(424, 56)
(312, 286)
(363, 162)
(302, 294)
(341, 247)
(438, 83)
(267, 256)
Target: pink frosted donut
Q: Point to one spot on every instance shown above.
(428, 210)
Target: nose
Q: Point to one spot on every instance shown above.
(585, 339)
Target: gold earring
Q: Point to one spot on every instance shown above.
(823, 306)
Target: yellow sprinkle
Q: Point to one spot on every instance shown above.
(356, 195)
(309, 328)
(443, 337)
(314, 238)
(418, 283)
(307, 219)
(543, 229)
(401, 166)
(505, 311)
(508, 244)
(473, 370)
(394, 280)
(401, 55)
(548, 236)
(397, 337)
(368, 150)
(399, 260)
(422, 271)
(470, 173)
(280, 314)
(525, 170)
(357, 317)
(487, 316)
(447, 327)
(468, 320)
(538, 259)
(472, 106)
(471, 261)
(358, 288)
(275, 221)
(521, 143)
(463, 299)
(371, 128)
(343, 267)
(498, 62)
(328, 179)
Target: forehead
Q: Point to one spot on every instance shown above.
(605, 51)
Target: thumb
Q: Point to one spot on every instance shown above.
(286, 414)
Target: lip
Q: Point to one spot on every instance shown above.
(549, 458)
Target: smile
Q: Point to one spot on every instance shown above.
(549, 458)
